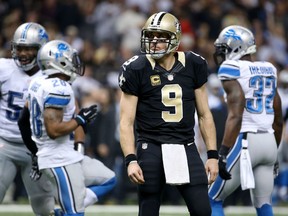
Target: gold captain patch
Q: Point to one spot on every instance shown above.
(155, 80)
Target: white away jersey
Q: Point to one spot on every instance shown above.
(13, 87)
(258, 81)
(52, 92)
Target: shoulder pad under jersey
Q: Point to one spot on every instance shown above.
(7, 66)
(196, 57)
(137, 62)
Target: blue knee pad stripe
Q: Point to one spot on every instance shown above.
(265, 210)
(103, 189)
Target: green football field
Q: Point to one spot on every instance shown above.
(125, 214)
(131, 210)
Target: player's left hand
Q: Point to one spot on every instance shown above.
(135, 173)
(35, 173)
(86, 115)
(212, 170)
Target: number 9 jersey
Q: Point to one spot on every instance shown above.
(167, 104)
(258, 81)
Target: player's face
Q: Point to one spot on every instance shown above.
(158, 40)
(26, 54)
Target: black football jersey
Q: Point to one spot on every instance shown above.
(166, 99)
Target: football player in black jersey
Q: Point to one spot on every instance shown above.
(161, 90)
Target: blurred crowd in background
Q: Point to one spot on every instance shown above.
(107, 33)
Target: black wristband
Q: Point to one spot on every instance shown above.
(212, 154)
(224, 150)
(79, 120)
(129, 158)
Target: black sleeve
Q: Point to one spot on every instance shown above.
(286, 115)
(24, 126)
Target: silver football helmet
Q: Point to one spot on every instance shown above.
(161, 27)
(232, 43)
(29, 35)
(58, 56)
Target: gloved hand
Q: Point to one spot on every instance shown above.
(223, 152)
(35, 173)
(276, 169)
(86, 115)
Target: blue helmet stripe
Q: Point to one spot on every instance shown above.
(24, 33)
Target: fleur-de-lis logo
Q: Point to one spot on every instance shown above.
(122, 80)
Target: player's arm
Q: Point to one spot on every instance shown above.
(235, 105)
(54, 124)
(53, 119)
(26, 133)
(208, 131)
(128, 104)
(278, 119)
(24, 127)
(79, 134)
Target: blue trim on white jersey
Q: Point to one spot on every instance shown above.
(54, 100)
(229, 71)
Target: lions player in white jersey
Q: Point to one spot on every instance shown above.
(80, 180)
(254, 124)
(15, 75)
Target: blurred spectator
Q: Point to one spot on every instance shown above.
(101, 131)
(104, 18)
(128, 27)
(85, 87)
(281, 182)
(73, 38)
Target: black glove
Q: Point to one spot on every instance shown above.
(223, 152)
(35, 173)
(276, 169)
(86, 115)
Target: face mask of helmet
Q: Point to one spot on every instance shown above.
(160, 28)
(28, 37)
(59, 57)
(220, 53)
(153, 38)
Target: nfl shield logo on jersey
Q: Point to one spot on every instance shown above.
(144, 145)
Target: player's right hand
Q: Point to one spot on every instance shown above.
(86, 115)
(224, 174)
(35, 173)
(135, 173)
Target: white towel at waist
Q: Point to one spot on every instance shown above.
(246, 172)
(175, 164)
